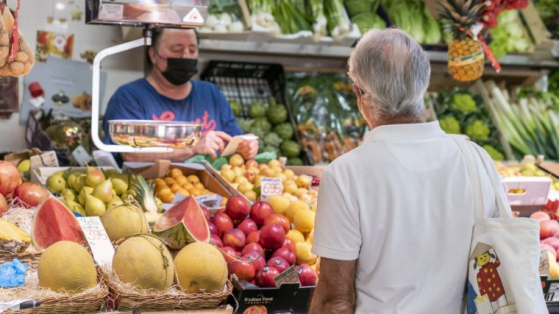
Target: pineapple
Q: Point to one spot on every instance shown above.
(465, 55)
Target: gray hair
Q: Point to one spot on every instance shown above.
(393, 71)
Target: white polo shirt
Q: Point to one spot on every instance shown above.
(402, 204)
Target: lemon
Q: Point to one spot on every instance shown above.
(304, 220)
(280, 203)
(296, 236)
(294, 208)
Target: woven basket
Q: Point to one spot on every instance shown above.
(126, 300)
(77, 303)
(29, 258)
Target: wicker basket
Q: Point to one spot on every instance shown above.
(126, 299)
(62, 303)
(29, 258)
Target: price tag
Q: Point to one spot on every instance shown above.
(270, 187)
(81, 156)
(289, 275)
(111, 12)
(97, 239)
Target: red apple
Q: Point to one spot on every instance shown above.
(272, 236)
(553, 241)
(247, 226)
(3, 205)
(206, 213)
(243, 269)
(290, 245)
(307, 275)
(265, 277)
(278, 263)
(288, 255)
(548, 228)
(213, 229)
(253, 237)
(215, 240)
(280, 220)
(256, 309)
(252, 247)
(220, 211)
(541, 216)
(223, 223)
(9, 178)
(259, 211)
(30, 194)
(251, 163)
(237, 207)
(257, 259)
(229, 254)
(234, 238)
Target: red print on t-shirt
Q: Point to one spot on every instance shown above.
(207, 123)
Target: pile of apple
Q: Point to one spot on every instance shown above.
(549, 240)
(257, 243)
(14, 191)
(245, 176)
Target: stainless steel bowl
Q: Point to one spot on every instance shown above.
(150, 133)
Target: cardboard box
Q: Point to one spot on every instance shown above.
(527, 194)
(230, 188)
(36, 159)
(288, 298)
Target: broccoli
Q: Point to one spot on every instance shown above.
(478, 130)
(463, 103)
(272, 139)
(450, 125)
(494, 153)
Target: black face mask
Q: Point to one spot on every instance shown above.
(180, 70)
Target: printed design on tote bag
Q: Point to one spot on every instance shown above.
(486, 292)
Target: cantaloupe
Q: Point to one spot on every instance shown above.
(66, 267)
(145, 262)
(201, 268)
(124, 221)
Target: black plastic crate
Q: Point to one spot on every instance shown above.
(248, 82)
(37, 138)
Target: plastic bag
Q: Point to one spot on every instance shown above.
(16, 58)
(12, 274)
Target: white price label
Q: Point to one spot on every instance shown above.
(270, 187)
(98, 240)
(111, 11)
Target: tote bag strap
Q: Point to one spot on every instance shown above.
(469, 152)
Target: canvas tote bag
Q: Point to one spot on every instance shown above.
(503, 268)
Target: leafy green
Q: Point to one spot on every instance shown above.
(368, 20)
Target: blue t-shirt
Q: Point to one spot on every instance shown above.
(138, 100)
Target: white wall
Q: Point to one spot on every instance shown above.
(120, 69)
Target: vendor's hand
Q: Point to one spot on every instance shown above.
(212, 142)
(248, 148)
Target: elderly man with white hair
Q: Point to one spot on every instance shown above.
(395, 215)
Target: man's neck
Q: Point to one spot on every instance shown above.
(400, 120)
(165, 88)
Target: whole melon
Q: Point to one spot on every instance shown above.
(66, 267)
(124, 221)
(201, 268)
(144, 261)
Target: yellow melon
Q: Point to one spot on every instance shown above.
(145, 262)
(201, 268)
(66, 267)
(124, 221)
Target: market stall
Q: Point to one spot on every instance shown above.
(83, 233)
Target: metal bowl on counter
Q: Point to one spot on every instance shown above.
(150, 133)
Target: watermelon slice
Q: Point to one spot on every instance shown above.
(54, 222)
(182, 224)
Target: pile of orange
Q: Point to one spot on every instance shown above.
(177, 182)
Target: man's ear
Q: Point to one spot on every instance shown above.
(151, 54)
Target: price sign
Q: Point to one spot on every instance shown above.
(97, 239)
(270, 187)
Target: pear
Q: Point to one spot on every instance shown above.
(76, 208)
(104, 191)
(115, 201)
(94, 206)
(94, 177)
(56, 183)
(72, 180)
(109, 173)
(24, 166)
(85, 191)
(79, 183)
(120, 183)
(69, 195)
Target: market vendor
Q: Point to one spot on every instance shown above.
(169, 93)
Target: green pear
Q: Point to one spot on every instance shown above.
(104, 191)
(79, 183)
(69, 195)
(85, 191)
(94, 206)
(76, 208)
(120, 183)
(115, 201)
(56, 183)
(94, 177)
(109, 173)
(72, 180)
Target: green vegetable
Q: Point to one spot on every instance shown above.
(338, 22)
(355, 7)
(257, 110)
(295, 161)
(478, 131)
(464, 103)
(508, 36)
(290, 18)
(431, 27)
(290, 149)
(245, 124)
(262, 124)
(236, 108)
(368, 20)
(413, 17)
(277, 114)
(284, 131)
(450, 125)
(494, 153)
(272, 139)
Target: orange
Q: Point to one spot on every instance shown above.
(175, 187)
(199, 186)
(181, 180)
(183, 192)
(193, 179)
(169, 181)
(175, 173)
(167, 198)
